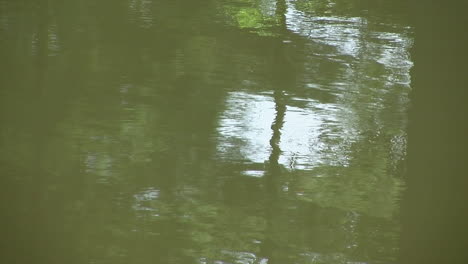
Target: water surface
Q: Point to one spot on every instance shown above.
(232, 131)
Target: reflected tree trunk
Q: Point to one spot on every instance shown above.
(281, 9)
(272, 180)
(280, 80)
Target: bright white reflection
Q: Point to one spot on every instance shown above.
(144, 200)
(253, 173)
(342, 33)
(303, 139)
(244, 127)
(237, 257)
(346, 34)
(310, 136)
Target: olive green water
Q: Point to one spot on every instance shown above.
(230, 131)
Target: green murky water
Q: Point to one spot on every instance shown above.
(230, 131)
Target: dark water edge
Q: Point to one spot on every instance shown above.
(435, 207)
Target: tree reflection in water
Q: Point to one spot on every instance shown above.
(218, 131)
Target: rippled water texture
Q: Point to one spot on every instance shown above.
(231, 131)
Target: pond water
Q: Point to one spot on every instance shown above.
(230, 131)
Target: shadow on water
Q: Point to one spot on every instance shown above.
(434, 207)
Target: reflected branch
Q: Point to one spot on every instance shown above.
(276, 128)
